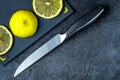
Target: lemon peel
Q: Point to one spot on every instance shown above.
(66, 10)
(23, 23)
(3, 59)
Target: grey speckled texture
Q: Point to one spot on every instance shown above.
(92, 54)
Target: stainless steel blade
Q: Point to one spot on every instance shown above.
(39, 53)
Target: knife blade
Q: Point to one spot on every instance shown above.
(60, 38)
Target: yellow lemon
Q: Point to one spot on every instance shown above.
(6, 40)
(47, 8)
(23, 23)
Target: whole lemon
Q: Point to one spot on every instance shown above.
(23, 23)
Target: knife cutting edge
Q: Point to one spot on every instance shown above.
(60, 38)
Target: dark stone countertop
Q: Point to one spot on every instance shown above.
(91, 54)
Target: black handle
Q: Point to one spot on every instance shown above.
(84, 21)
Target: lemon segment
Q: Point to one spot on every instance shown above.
(23, 23)
(6, 40)
(47, 8)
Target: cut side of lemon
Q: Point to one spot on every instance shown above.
(47, 8)
(6, 40)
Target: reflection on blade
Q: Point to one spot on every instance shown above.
(39, 53)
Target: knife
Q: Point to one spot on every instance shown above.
(60, 38)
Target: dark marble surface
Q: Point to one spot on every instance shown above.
(92, 54)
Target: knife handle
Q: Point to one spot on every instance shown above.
(84, 20)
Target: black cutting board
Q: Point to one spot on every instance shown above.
(8, 7)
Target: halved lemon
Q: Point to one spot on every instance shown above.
(23, 23)
(47, 8)
(6, 40)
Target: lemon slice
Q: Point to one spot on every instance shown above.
(47, 8)
(6, 40)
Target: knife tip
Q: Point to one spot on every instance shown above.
(15, 74)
